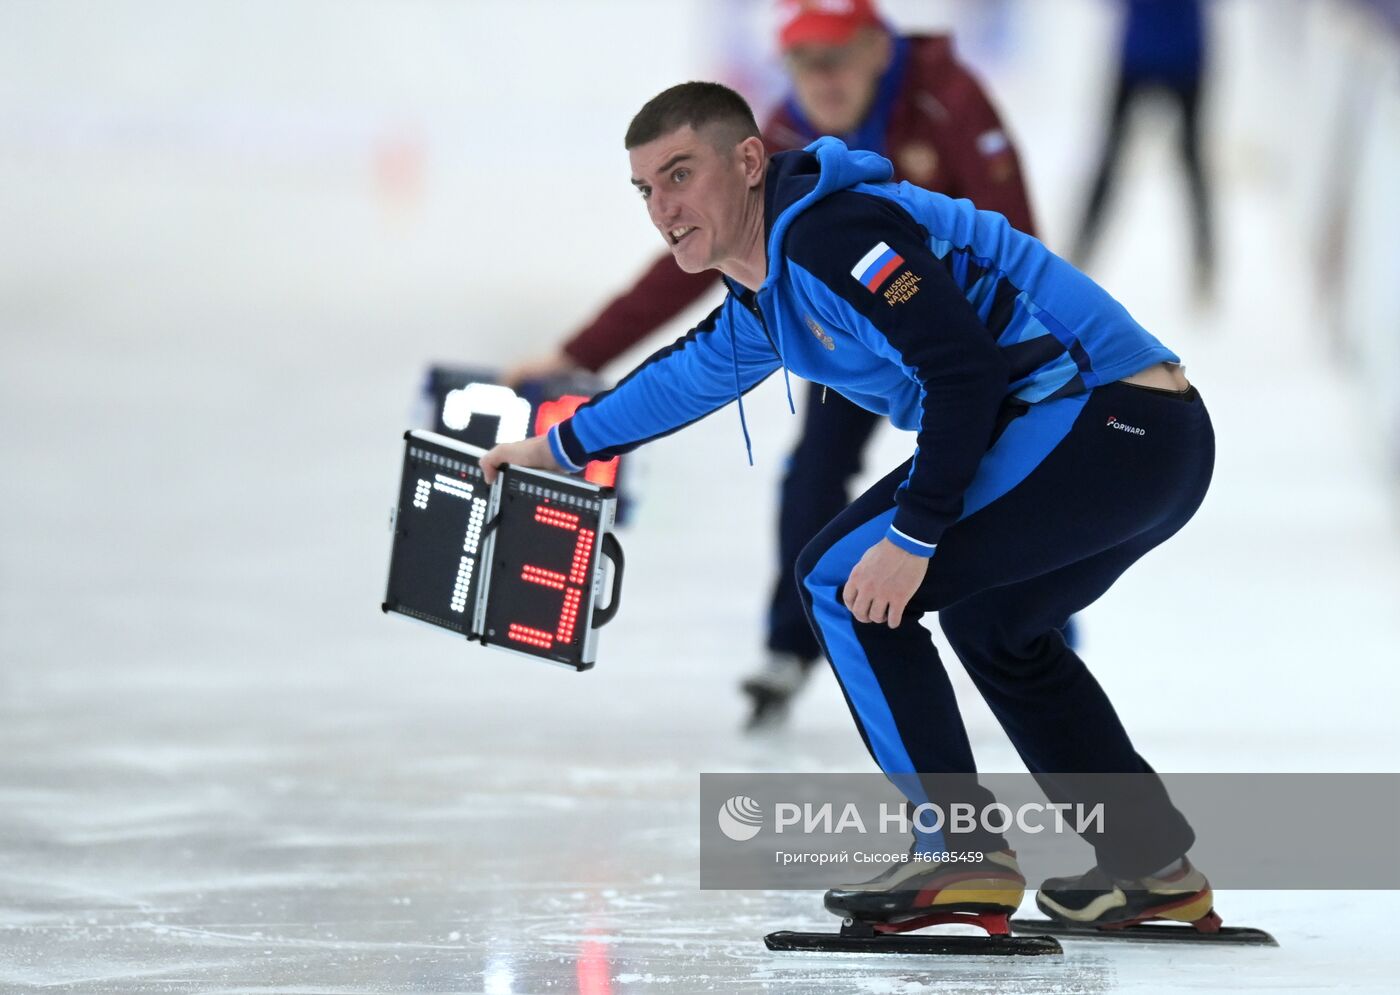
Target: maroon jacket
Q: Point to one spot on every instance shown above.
(944, 135)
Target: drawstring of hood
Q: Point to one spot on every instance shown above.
(796, 181)
(739, 396)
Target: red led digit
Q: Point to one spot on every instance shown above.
(539, 575)
(583, 548)
(551, 413)
(568, 615)
(546, 515)
(604, 474)
(530, 637)
(571, 584)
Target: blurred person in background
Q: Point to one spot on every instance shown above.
(1162, 51)
(906, 97)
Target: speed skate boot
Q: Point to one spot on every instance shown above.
(989, 888)
(1099, 901)
(771, 688)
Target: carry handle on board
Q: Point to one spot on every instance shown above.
(612, 549)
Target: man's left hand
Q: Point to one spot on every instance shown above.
(528, 452)
(882, 583)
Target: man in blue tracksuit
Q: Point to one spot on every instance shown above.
(1057, 443)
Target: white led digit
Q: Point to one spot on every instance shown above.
(458, 488)
(471, 540)
(467, 564)
(463, 583)
(488, 399)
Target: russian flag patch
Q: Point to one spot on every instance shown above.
(876, 266)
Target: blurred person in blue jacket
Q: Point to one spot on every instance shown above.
(1163, 51)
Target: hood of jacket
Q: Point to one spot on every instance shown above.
(796, 180)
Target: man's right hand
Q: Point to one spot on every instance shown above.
(533, 452)
(554, 364)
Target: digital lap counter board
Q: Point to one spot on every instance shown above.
(470, 404)
(520, 565)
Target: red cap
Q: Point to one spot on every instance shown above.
(822, 22)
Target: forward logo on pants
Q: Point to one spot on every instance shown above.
(1113, 422)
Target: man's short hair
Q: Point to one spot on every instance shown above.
(697, 105)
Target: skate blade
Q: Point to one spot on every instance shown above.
(1152, 932)
(908, 943)
(769, 712)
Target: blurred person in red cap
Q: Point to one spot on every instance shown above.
(908, 98)
(837, 53)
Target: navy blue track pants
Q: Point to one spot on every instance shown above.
(1070, 494)
(835, 432)
(815, 489)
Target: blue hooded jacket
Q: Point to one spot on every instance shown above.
(911, 304)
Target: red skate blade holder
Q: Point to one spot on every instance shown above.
(859, 937)
(1207, 929)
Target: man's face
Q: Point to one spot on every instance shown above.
(695, 194)
(835, 84)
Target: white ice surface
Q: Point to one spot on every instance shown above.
(223, 770)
